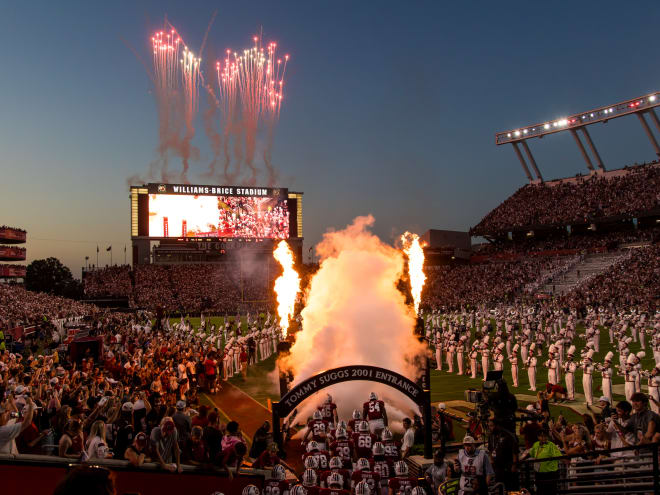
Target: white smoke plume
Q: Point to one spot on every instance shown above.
(353, 315)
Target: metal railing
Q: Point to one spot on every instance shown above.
(625, 470)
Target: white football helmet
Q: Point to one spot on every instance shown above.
(341, 433)
(298, 490)
(386, 436)
(309, 477)
(312, 446)
(362, 488)
(335, 479)
(378, 449)
(328, 399)
(311, 463)
(418, 490)
(373, 396)
(363, 464)
(342, 424)
(356, 414)
(363, 427)
(400, 468)
(251, 490)
(336, 463)
(278, 472)
(317, 415)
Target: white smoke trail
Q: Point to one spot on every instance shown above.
(354, 314)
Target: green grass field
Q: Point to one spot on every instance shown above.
(450, 387)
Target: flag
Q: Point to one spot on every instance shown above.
(109, 248)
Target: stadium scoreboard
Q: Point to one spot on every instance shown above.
(214, 212)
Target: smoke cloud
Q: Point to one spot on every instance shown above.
(354, 314)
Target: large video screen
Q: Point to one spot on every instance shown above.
(184, 215)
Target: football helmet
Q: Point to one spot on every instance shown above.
(298, 490)
(378, 449)
(373, 396)
(311, 463)
(342, 424)
(362, 488)
(341, 433)
(317, 415)
(363, 464)
(312, 446)
(400, 468)
(363, 427)
(356, 414)
(328, 399)
(418, 490)
(251, 490)
(335, 479)
(336, 463)
(386, 435)
(309, 477)
(278, 472)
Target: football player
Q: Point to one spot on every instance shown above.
(363, 440)
(401, 484)
(374, 411)
(277, 484)
(344, 448)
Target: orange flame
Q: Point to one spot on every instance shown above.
(413, 249)
(287, 285)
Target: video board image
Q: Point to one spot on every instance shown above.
(218, 216)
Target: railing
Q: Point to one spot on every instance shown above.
(625, 470)
(30, 474)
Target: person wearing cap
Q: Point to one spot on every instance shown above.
(136, 452)
(547, 472)
(606, 372)
(474, 467)
(513, 359)
(164, 439)
(630, 375)
(654, 389)
(587, 377)
(183, 422)
(570, 367)
(530, 364)
(460, 355)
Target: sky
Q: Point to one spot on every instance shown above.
(390, 107)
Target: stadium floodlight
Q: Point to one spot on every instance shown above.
(579, 122)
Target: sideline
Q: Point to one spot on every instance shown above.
(208, 397)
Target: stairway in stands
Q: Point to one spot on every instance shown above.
(590, 266)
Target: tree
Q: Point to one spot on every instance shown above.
(51, 276)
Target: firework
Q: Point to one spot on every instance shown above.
(250, 92)
(176, 78)
(287, 285)
(415, 254)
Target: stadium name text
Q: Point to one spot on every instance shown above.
(369, 373)
(216, 190)
(221, 191)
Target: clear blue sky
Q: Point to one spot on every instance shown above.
(391, 107)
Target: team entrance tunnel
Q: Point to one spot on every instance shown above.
(298, 394)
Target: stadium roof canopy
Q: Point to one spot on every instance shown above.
(578, 122)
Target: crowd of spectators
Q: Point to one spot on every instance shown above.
(137, 400)
(2, 227)
(633, 281)
(580, 200)
(455, 286)
(111, 281)
(580, 242)
(188, 288)
(254, 217)
(20, 307)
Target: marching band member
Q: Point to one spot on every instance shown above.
(530, 364)
(587, 379)
(570, 367)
